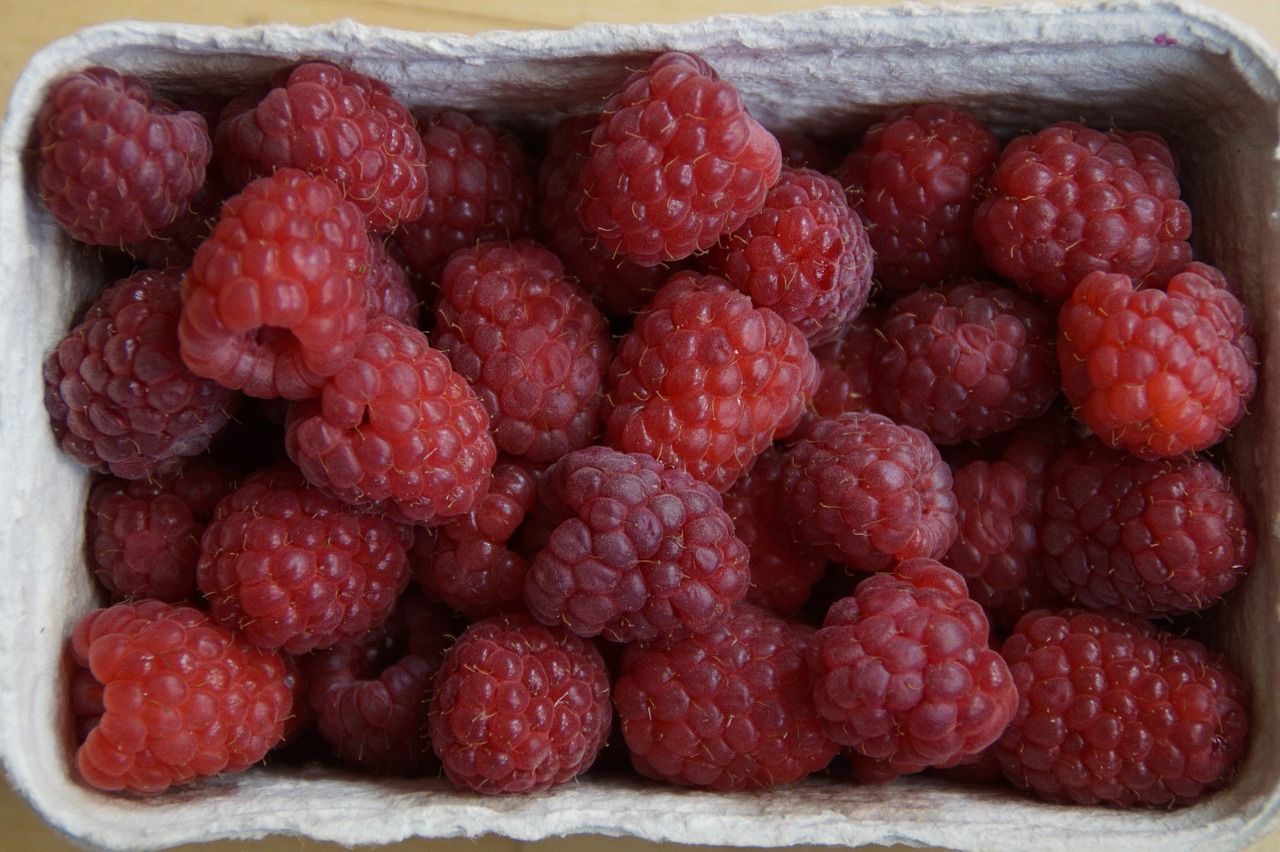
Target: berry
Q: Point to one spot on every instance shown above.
(676, 161)
(116, 165)
(1112, 710)
(395, 430)
(275, 299)
(176, 245)
(181, 698)
(389, 292)
(728, 709)
(119, 397)
(845, 368)
(519, 707)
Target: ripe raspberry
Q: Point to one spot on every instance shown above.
(531, 344)
(676, 162)
(904, 675)
(176, 245)
(844, 375)
(802, 151)
(181, 697)
(143, 535)
(704, 381)
(116, 165)
(1158, 372)
(868, 492)
(729, 709)
(916, 179)
(292, 568)
(965, 360)
(644, 551)
(1112, 710)
(389, 292)
(119, 397)
(519, 707)
(1069, 201)
(1153, 538)
(274, 301)
(338, 123)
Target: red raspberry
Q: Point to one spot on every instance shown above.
(1112, 710)
(519, 707)
(181, 697)
(676, 162)
(803, 151)
(965, 360)
(275, 299)
(644, 551)
(119, 397)
(916, 179)
(1069, 201)
(338, 123)
(1157, 372)
(1153, 538)
(389, 292)
(177, 244)
(396, 430)
(704, 381)
(116, 165)
(904, 675)
(728, 709)
(531, 344)
(845, 368)
(868, 492)
(292, 568)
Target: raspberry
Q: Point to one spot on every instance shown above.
(729, 709)
(802, 151)
(338, 123)
(388, 291)
(1069, 201)
(116, 165)
(181, 697)
(643, 551)
(531, 344)
(904, 675)
(1154, 538)
(965, 360)
(519, 707)
(845, 368)
(274, 301)
(395, 430)
(1158, 372)
(868, 492)
(1112, 710)
(676, 162)
(118, 394)
(176, 245)
(916, 179)
(704, 381)
(292, 568)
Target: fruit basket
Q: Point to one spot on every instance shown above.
(1211, 88)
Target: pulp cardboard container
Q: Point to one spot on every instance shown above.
(1209, 86)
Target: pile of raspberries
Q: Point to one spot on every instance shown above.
(653, 439)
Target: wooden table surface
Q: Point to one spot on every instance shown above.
(33, 25)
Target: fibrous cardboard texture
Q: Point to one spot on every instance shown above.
(1210, 87)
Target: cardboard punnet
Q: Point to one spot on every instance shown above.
(1211, 87)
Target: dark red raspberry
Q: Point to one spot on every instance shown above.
(395, 430)
(181, 697)
(291, 568)
(519, 707)
(389, 292)
(916, 179)
(338, 123)
(868, 492)
(965, 360)
(531, 344)
(676, 162)
(728, 709)
(644, 550)
(1069, 201)
(116, 165)
(275, 299)
(144, 534)
(845, 369)
(903, 672)
(803, 151)
(1157, 372)
(1112, 710)
(177, 244)
(704, 381)
(119, 397)
(1153, 538)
